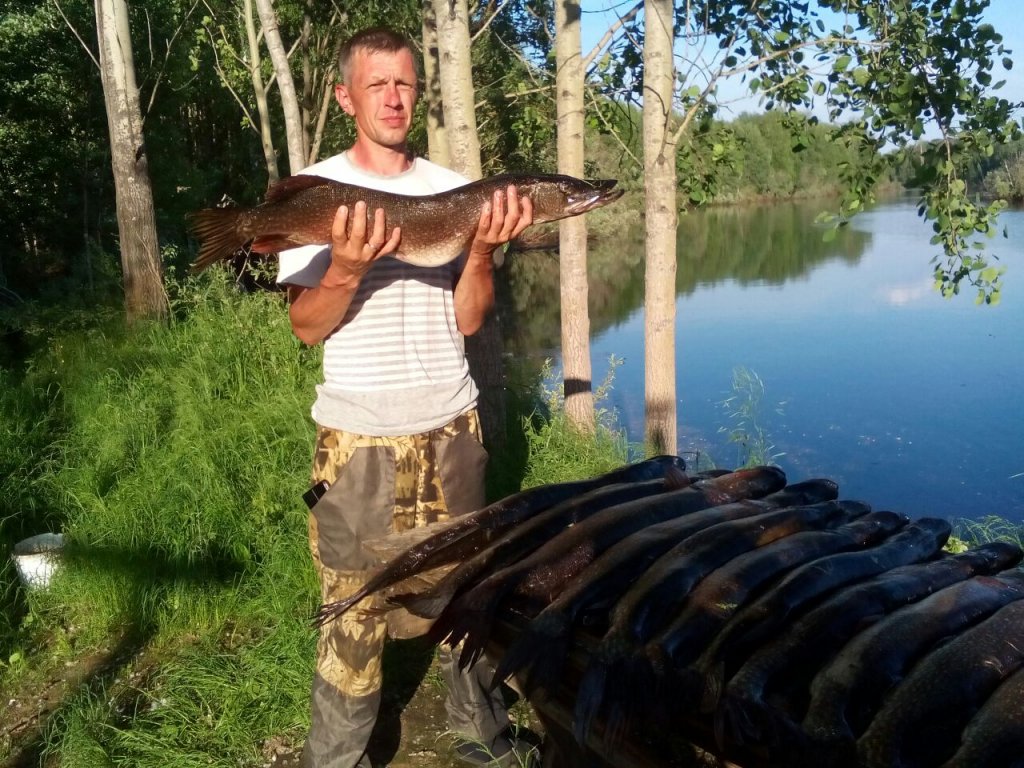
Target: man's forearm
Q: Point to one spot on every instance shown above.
(474, 293)
(316, 312)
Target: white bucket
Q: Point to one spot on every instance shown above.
(36, 558)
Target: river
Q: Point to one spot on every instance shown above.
(909, 401)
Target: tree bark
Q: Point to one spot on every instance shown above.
(456, 76)
(572, 241)
(136, 221)
(259, 90)
(660, 238)
(437, 136)
(285, 85)
(484, 348)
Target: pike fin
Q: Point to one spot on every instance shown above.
(273, 244)
(216, 230)
(426, 605)
(292, 185)
(537, 655)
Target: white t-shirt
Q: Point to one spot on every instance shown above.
(397, 364)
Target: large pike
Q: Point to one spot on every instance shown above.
(717, 598)
(549, 569)
(995, 736)
(617, 663)
(846, 693)
(524, 538)
(539, 652)
(763, 698)
(468, 534)
(921, 721)
(763, 620)
(300, 210)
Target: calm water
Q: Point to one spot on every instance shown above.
(909, 401)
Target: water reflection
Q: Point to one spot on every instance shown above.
(754, 244)
(909, 401)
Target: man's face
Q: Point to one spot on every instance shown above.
(381, 95)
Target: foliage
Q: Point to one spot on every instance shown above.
(884, 73)
(173, 458)
(744, 411)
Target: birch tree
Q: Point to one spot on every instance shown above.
(437, 136)
(572, 241)
(484, 348)
(456, 76)
(293, 124)
(660, 230)
(136, 221)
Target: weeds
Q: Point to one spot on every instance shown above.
(173, 458)
(744, 410)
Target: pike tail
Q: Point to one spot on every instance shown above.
(426, 605)
(217, 232)
(467, 621)
(537, 655)
(330, 611)
(608, 666)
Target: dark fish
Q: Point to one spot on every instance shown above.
(846, 693)
(436, 229)
(539, 577)
(717, 598)
(760, 622)
(525, 538)
(921, 721)
(759, 699)
(614, 663)
(542, 646)
(994, 738)
(470, 533)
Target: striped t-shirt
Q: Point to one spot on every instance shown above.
(396, 365)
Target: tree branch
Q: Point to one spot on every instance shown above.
(74, 31)
(610, 34)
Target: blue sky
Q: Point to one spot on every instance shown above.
(1004, 15)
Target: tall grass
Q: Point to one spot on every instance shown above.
(173, 459)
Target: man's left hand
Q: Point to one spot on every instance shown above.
(501, 222)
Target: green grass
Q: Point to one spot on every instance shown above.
(173, 459)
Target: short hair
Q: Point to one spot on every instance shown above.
(372, 40)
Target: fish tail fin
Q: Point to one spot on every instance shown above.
(466, 621)
(589, 696)
(632, 678)
(330, 611)
(714, 681)
(377, 610)
(537, 654)
(217, 232)
(426, 605)
(739, 722)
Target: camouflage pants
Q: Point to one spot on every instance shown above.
(379, 485)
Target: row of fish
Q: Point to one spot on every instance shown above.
(769, 622)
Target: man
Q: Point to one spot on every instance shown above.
(398, 437)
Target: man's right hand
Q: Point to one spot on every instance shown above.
(352, 252)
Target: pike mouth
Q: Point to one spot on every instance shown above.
(601, 192)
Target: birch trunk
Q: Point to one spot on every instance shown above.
(484, 348)
(660, 239)
(259, 90)
(456, 76)
(285, 85)
(136, 222)
(437, 136)
(572, 241)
